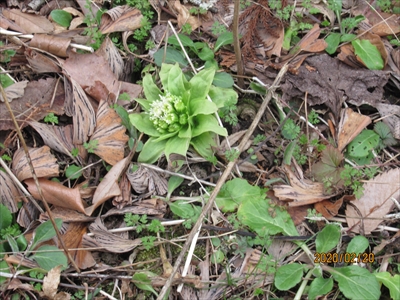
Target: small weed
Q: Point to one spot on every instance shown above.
(91, 146)
(51, 118)
(217, 28)
(232, 154)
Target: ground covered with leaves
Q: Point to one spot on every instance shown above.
(200, 149)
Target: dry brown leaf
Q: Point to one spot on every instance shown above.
(125, 198)
(67, 215)
(14, 91)
(137, 210)
(328, 209)
(110, 134)
(184, 16)
(347, 56)
(112, 242)
(302, 191)
(384, 24)
(108, 187)
(369, 211)
(351, 124)
(29, 22)
(44, 163)
(51, 282)
(109, 51)
(120, 19)
(9, 195)
(145, 180)
(34, 104)
(41, 63)
(52, 44)
(57, 194)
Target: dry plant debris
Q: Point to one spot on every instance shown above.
(94, 93)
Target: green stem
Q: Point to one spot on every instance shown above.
(303, 285)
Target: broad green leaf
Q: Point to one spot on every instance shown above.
(211, 64)
(288, 276)
(142, 281)
(369, 54)
(333, 41)
(49, 257)
(385, 134)
(73, 172)
(223, 97)
(143, 124)
(327, 238)
(287, 156)
(206, 53)
(173, 183)
(203, 144)
(22, 243)
(336, 6)
(356, 282)
(165, 68)
(13, 244)
(223, 79)
(151, 91)
(202, 106)
(329, 166)
(172, 56)
(287, 38)
(347, 37)
(6, 81)
(152, 151)
(217, 257)
(391, 282)
(258, 88)
(234, 192)
(4, 268)
(320, 287)
(225, 38)
(61, 17)
(182, 209)
(361, 146)
(358, 244)
(200, 84)
(185, 40)
(176, 145)
(176, 81)
(259, 215)
(45, 232)
(207, 123)
(186, 131)
(5, 216)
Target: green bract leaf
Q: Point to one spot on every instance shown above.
(151, 91)
(203, 144)
(333, 41)
(176, 81)
(152, 151)
(320, 287)
(207, 123)
(369, 54)
(176, 145)
(172, 56)
(143, 124)
(202, 106)
(200, 84)
(391, 282)
(143, 282)
(234, 192)
(49, 257)
(223, 79)
(358, 244)
(361, 146)
(61, 17)
(5, 216)
(327, 238)
(45, 232)
(259, 215)
(356, 282)
(225, 38)
(288, 276)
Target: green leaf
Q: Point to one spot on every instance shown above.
(152, 151)
(259, 215)
(348, 37)
(203, 144)
(391, 282)
(333, 41)
(358, 244)
(73, 172)
(206, 53)
(200, 84)
(45, 232)
(368, 53)
(356, 282)
(288, 276)
(222, 96)
(151, 91)
(327, 238)
(143, 282)
(217, 257)
(6, 81)
(361, 146)
(202, 106)
(207, 123)
(49, 257)
(173, 183)
(234, 192)
(4, 268)
(258, 88)
(320, 287)
(223, 79)
(61, 17)
(172, 56)
(329, 166)
(176, 145)
(185, 40)
(182, 209)
(13, 243)
(143, 124)
(287, 156)
(176, 81)
(385, 134)
(225, 38)
(5, 216)
(164, 72)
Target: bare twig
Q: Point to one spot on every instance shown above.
(236, 44)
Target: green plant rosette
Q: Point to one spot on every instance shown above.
(179, 115)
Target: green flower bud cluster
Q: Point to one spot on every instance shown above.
(168, 114)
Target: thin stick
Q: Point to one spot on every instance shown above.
(236, 44)
(220, 182)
